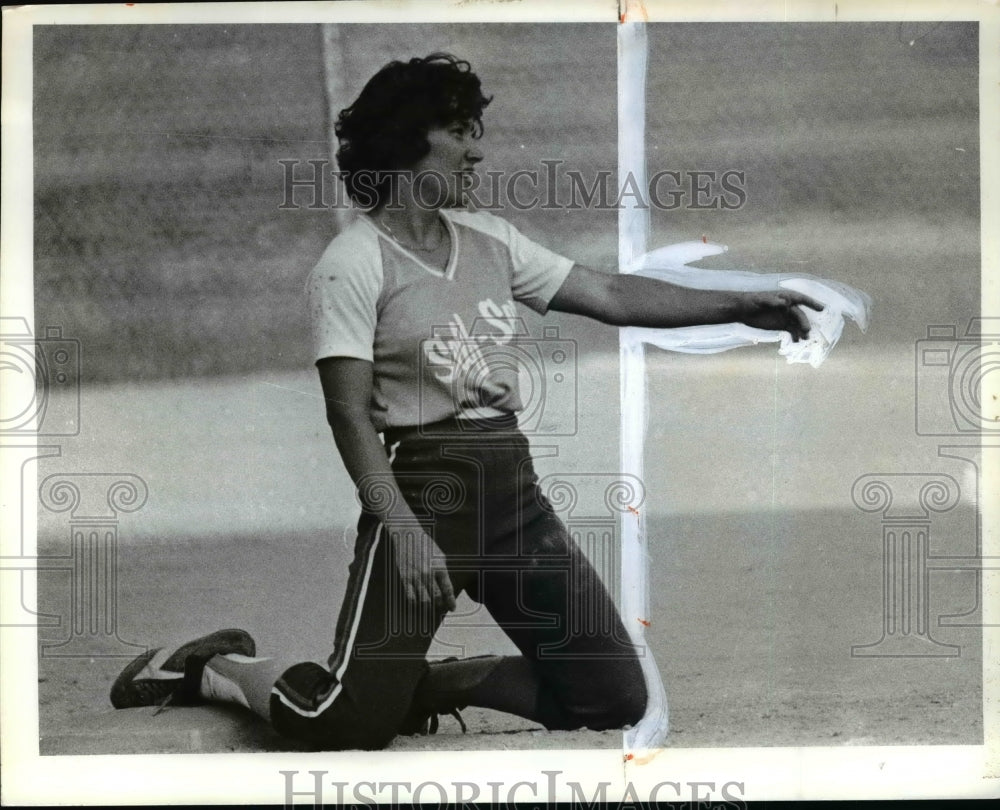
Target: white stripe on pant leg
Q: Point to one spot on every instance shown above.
(339, 674)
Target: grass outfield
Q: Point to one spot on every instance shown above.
(159, 243)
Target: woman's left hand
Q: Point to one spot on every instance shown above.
(780, 311)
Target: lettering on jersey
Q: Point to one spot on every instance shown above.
(456, 349)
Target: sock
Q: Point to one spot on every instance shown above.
(216, 686)
(240, 679)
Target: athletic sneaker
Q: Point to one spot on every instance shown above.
(444, 689)
(157, 677)
(424, 721)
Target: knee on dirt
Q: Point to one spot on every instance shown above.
(338, 726)
(615, 707)
(625, 707)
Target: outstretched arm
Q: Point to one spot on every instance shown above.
(629, 300)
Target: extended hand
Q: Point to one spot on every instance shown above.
(422, 570)
(780, 311)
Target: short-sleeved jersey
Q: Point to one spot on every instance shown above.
(442, 344)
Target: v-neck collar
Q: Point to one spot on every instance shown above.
(449, 269)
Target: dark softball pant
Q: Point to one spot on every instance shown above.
(477, 496)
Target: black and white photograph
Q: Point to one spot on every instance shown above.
(531, 404)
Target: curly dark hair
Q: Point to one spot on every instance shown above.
(385, 129)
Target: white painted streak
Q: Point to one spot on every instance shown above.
(633, 234)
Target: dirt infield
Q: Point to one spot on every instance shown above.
(760, 590)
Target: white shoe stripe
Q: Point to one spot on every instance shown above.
(153, 671)
(339, 674)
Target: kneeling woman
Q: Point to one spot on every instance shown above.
(412, 311)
